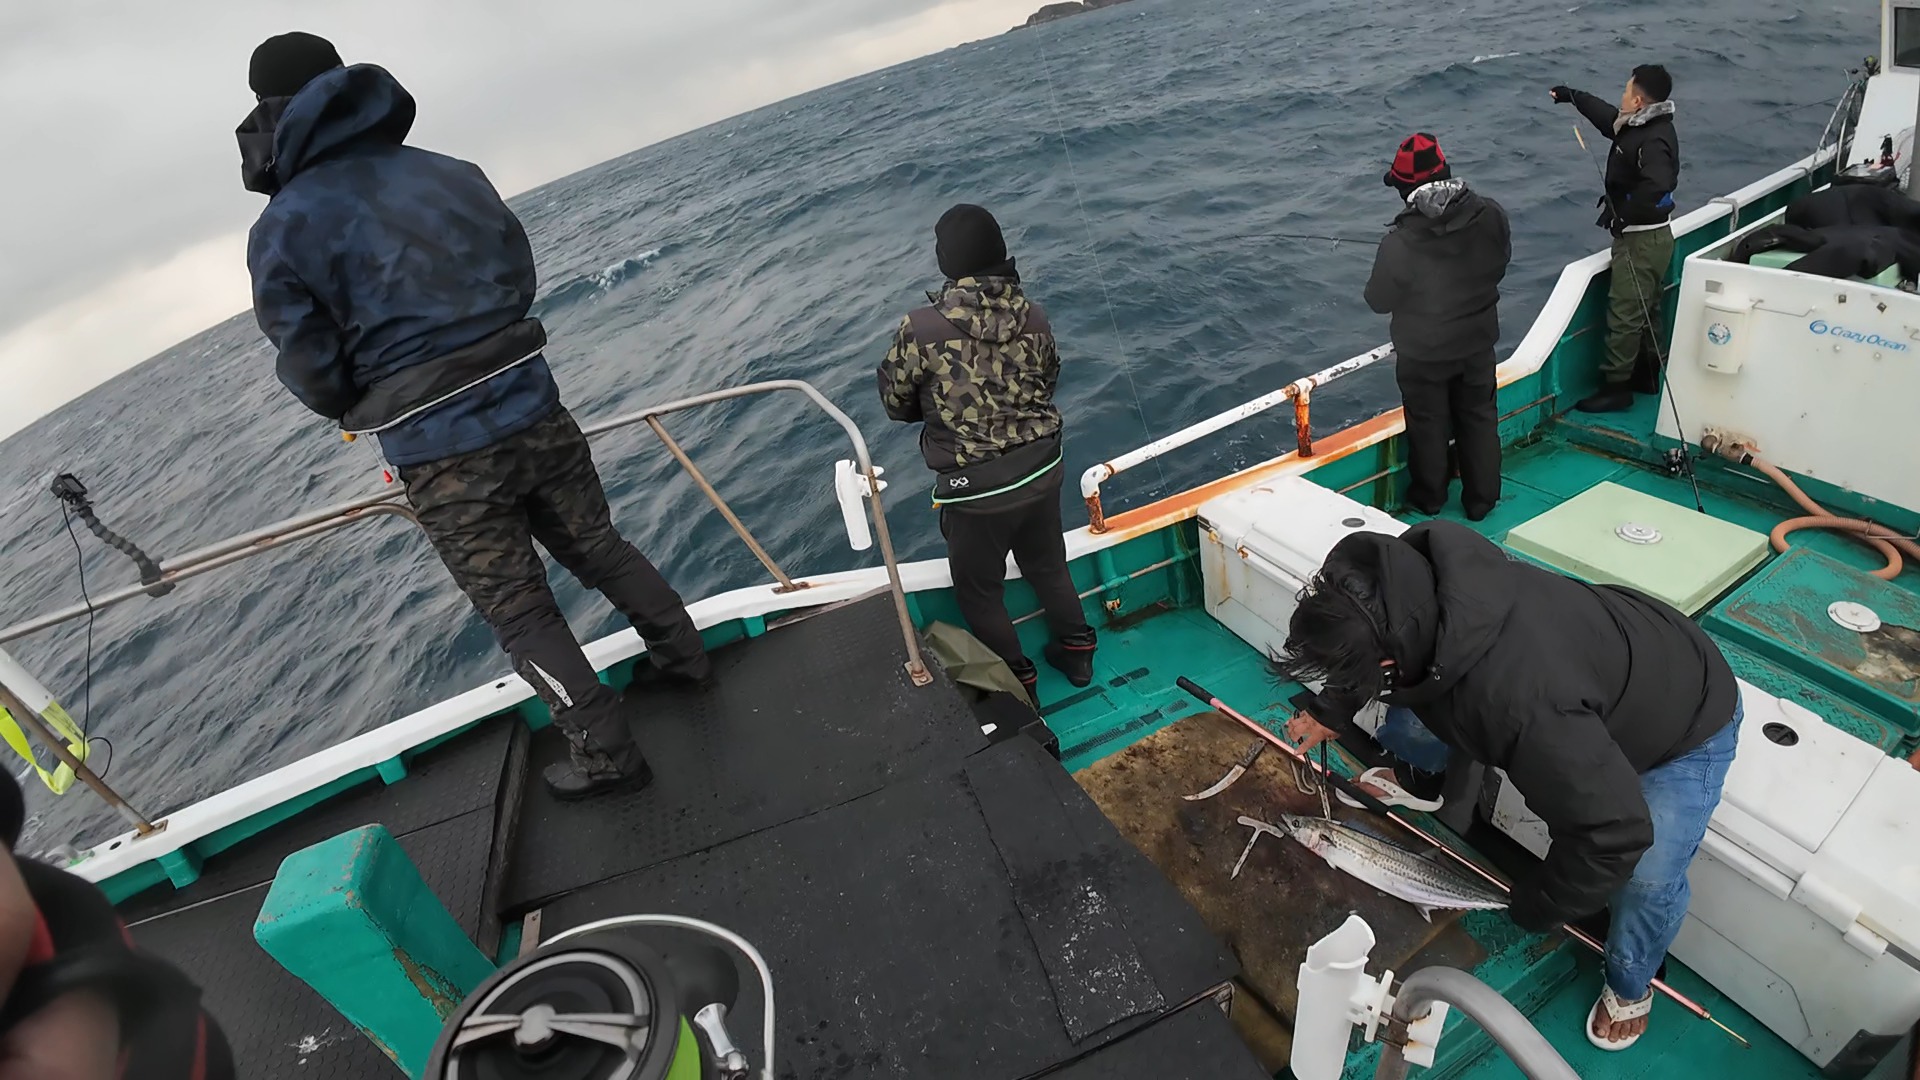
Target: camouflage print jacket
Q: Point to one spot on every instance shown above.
(979, 368)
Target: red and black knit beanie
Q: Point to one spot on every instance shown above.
(1419, 161)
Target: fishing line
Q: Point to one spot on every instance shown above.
(1337, 240)
(1653, 332)
(86, 706)
(1093, 249)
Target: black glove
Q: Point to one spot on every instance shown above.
(1561, 94)
(1530, 910)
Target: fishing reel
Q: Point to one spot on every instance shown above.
(600, 1003)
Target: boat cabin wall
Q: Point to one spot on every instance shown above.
(1817, 374)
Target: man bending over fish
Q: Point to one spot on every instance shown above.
(1612, 713)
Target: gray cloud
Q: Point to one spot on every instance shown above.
(120, 117)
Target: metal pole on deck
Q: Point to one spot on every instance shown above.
(30, 720)
(787, 584)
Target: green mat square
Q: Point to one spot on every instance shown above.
(1689, 558)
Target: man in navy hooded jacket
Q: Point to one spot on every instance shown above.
(396, 284)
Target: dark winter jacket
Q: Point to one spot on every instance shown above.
(1644, 167)
(1573, 689)
(979, 368)
(1837, 251)
(1854, 204)
(373, 258)
(1438, 273)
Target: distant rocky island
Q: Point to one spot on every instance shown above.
(1055, 12)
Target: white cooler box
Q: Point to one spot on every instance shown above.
(1258, 548)
(1806, 891)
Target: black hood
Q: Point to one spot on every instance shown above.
(337, 110)
(1442, 207)
(1444, 596)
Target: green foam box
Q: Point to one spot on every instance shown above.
(1614, 535)
(351, 918)
(1781, 259)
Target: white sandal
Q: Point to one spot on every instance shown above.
(1617, 1011)
(1391, 793)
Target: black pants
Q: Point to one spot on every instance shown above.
(978, 542)
(483, 512)
(1451, 400)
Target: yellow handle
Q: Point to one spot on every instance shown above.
(346, 436)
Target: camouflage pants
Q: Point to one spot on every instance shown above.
(483, 512)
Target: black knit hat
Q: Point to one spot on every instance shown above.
(968, 243)
(285, 63)
(1418, 161)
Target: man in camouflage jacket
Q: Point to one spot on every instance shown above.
(978, 369)
(395, 285)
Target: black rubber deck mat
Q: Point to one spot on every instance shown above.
(896, 941)
(1197, 1042)
(806, 717)
(277, 1025)
(1061, 883)
(448, 781)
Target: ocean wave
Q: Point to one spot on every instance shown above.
(588, 287)
(1493, 56)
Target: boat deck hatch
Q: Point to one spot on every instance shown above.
(1614, 535)
(1839, 628)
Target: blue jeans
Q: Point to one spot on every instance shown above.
(1647, 911)
(1680, 795)
(1405, 737)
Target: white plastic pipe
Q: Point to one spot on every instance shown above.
(1329, 978)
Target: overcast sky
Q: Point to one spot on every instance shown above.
(122, 218)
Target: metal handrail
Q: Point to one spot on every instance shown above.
(387, 504)
(916, 667)
(1300, 392)
(226, 552)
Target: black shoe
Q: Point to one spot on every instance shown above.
(590, 774)
(1478, 511)
(1428, 509)
(1615, 398)
(646, 674)
(1072, 656)
(1029, 679)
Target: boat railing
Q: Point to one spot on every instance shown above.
(1300, 392)
(347, 514)
(1533, 352)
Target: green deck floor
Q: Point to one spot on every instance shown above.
(1134, 695)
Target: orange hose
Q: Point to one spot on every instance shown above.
(1889, 544)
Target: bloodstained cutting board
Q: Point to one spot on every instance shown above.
(1285, 898)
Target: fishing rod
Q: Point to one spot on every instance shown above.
(1378, 807)
(1646, 312)
(1307, 236)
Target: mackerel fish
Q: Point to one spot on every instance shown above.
(1394, 870)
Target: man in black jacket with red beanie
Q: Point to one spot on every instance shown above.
(1438, 274)
(1614, 715)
